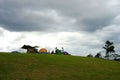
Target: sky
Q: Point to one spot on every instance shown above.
(80, 26)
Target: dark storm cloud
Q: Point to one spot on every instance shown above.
(55, 15)
(94, 24)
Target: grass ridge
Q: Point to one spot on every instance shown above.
(56, 67)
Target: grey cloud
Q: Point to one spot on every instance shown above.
(94, 24)
(88, 15)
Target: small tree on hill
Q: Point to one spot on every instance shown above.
(98, 55)
(109, 47)
(90, 55)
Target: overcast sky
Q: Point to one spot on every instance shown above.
(80, 26)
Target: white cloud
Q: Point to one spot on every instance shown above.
(7, 39)
(73, 42)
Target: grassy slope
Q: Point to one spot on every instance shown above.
(56, 67)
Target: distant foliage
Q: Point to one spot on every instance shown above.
(90, 55)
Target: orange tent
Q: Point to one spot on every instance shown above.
(43, 50)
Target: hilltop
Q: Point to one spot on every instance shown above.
(56, 67)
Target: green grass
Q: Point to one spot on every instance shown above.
(56, 67)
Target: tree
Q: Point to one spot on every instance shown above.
(98, 55)
(109, 47)
(90, 55)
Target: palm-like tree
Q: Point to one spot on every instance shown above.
(109, 47)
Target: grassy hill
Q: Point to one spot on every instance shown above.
(56, 67)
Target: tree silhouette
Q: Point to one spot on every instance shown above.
(90, 55)
(98, 55)
(109, 47)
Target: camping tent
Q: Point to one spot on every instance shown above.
(66, 53)
(43, 51)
